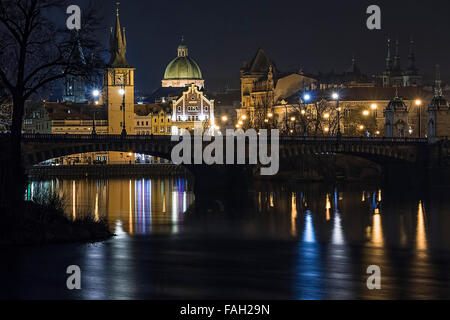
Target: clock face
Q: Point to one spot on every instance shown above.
(120, 79)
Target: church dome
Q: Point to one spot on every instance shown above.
(183, 67)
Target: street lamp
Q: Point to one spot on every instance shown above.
(336, 97)
(224, 119)
(419, 104)
(95, 93)
(122, 93)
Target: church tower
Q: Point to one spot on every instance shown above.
(438, 112)
(118, 79)
(396, 115)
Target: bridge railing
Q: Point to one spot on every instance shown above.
(167, 138)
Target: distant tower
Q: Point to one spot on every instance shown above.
(438, 112)
(396, 115)
(75, 86)
(118, 75)
(412, 76)
(387, 72)
(397, 72)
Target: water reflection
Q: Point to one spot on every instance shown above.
(296, 241)
(137, 207)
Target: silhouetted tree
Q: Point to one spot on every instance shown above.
(36, 49)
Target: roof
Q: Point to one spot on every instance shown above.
(260, 64)
(183, 68)
(166, 93)
(75, 111)
(383, 94)
(144, 110)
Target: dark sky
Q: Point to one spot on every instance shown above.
(313, 35)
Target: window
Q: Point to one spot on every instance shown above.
(206, 108)
(179, 108)
(146, 123)
(168, 129)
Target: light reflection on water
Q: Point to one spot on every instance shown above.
(333, 234)
(146, 206)
(137, 207)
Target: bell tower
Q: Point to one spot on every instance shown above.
(118, 83)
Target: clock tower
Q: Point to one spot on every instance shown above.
(118, 84)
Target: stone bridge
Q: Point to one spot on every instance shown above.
(38, 148)
(409, 156)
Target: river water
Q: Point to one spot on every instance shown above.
(290, 241)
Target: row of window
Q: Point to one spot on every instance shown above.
(191, 118)
(192, 108)
(155, 130)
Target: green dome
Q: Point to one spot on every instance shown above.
(183, 68)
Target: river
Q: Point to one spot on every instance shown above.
(290, 241)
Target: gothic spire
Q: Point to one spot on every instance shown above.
(388, 57)
(397, 56)
(438, 82)
(118, 44)
(412, 56)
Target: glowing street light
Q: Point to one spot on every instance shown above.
(240, 122)
(122, 91)
(306, 97)
(244, 117)
(224, 119)
(303, 112)
(95, 93)
(293, 119)
(336, 97)
(270, 115)
(326, 115)
(361, 127)
(418, 102)
(374, 106)
(366, 113)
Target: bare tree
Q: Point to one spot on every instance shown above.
(35, 51)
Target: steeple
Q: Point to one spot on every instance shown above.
(388, 57)
(397, 65)
(412, 56)
(438, 82)
(118, 45)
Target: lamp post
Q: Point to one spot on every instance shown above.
(306, 99)
(336, 97)
(95, 93)
(419, 105)
(122, 93)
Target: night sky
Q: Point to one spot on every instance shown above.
(313, 35)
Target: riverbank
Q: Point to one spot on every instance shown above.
(44, 224)
(107, 171)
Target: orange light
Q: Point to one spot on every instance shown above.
(366, 113)
(418, 102)
(374, 106)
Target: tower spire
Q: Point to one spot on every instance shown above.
(438, 82)
(118, 44)
(412, 56)
(397, 56)
(388, 57)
